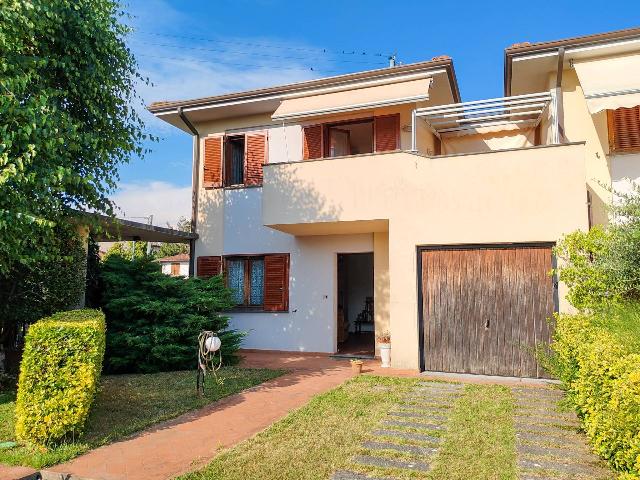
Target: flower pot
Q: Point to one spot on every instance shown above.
(356, 367)
(385, 354)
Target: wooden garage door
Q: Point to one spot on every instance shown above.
(486, 309)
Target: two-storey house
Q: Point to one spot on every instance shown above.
(377, 201)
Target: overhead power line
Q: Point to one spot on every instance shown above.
(353, 52)
(255, 54)
(233, 64)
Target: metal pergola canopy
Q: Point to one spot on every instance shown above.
(117, 229)
(466, 117)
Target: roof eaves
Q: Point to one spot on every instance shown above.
(540, 47)
(447, 63)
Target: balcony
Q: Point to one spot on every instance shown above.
(530, 189)
(489, 125)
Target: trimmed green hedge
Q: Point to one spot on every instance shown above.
(59, 375)
(597, 357)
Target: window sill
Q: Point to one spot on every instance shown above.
(254, 310)
(230, 187)
(629, 151)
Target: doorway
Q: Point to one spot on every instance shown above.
(355, 314)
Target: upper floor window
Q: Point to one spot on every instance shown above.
(353, 137)
(234, 156)
(624, 130)
(350, 138)
(243, 154)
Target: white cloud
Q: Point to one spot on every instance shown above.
(179, 67)
(165, 201)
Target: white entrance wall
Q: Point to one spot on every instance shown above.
(309, 326)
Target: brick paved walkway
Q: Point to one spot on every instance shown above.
(191, 440)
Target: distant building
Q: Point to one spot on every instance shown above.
(175, 265)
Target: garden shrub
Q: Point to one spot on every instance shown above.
(153, 320)
(59, 375)
(597, 357)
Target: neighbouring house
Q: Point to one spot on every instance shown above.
(175, 265)
(379, 201)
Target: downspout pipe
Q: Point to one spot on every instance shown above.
(195, 181)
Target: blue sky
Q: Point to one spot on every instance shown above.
(206, 47)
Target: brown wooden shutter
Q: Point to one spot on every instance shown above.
(276, 282)
(256, 148)
(212, 177)
(209, 266)
(387, 132)
(624, 130)
(312, 142)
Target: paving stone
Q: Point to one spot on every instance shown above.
(557, 466)
(540, 405)
(546, 429)
(413, 449)
(420, 414)
(538, 392)
(440, 390)
(406, 435)
(441, 385)
(555, 438)
(536, 478)
(390, 463)
(541, 450)
(349, 475)
(545, 412)
(426, 401)
(423, 426)
(542, 420)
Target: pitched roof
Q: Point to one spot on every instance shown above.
(181, 257)
(440, 61)
(526, 47)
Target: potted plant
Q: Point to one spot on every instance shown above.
(356, 366)
(384, 342)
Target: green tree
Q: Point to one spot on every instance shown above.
(602, 266)
(153, 320)
(170, 249)
(67, 118)
(43, 288)
(127, 250)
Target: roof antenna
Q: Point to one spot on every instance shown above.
(392, 60)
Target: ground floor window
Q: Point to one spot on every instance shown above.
(245, 277)
(258, 282)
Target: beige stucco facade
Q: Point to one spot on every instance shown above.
(519, 196)
(503, 185)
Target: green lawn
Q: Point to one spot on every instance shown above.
(321, 437)
(127, 404)
(480, 441)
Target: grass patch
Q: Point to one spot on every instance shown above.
(315, 440)
(127, 404)
(480, 438)
(324, 435)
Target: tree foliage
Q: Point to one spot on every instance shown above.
(128, 250)
(170, 249)
(153, 320)
(67, 117)
(50, 285)
(602, 267)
